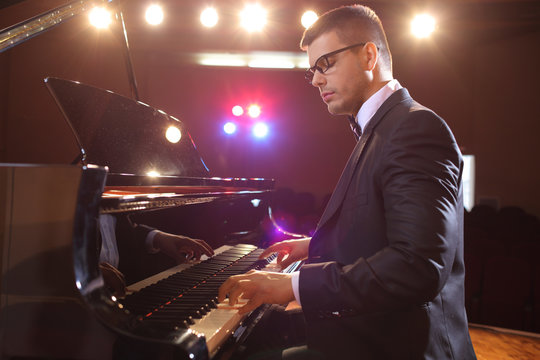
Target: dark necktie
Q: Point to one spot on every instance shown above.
(357, 130)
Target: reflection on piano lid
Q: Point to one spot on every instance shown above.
(128, 136)
(130, 192)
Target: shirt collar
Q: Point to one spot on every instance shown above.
(370, 107)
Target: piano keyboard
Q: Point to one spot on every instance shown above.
(186, 296)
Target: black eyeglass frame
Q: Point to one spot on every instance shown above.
(310, 73)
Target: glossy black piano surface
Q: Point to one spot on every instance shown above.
(58, 283)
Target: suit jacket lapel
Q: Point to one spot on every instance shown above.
(343, 184)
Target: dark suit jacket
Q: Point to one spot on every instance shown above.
(385, 273)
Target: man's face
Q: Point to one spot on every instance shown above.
(343, 85)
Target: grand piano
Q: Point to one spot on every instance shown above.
(55, 302)
(138, 165)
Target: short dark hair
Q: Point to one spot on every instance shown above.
(352, 24)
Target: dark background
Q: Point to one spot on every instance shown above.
(479, 71)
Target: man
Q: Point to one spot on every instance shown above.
(384, 273)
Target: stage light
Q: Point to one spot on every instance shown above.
(173, 134)
(154, 15)
(253, 17)
(423, 25)
(229, 128)
(153, 173)
(260, 130)
(254, 111)
(308, 18)
(100, 17)
(209, 17)
(237, 110)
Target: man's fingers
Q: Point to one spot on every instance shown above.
(251, 305)
(288, 261)
(230, 287)
(280, 248)
(205, 248)
(195, 255)
(280, 257)
(183, 256)
(234, 294)
(270, 250)
(224, 289)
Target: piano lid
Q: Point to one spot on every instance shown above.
(128, 136)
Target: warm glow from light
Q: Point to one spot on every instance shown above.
(253, 17)
(308, 18)
(154, 14)
(254, 111)
(229, 128)
(173, 134)
(100, 17)
(423, 25)
(209, 17)
(237, 110)
(222, 60)
(152, 173)
(303, 63)
(271, 63)
(260, 130)
(255, 59)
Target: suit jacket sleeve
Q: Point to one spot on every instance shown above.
(415, 181)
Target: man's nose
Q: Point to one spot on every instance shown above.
(318, 79)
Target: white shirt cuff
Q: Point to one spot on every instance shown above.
(149, 242)
(295, 279)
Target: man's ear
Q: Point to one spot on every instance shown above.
(372, 55)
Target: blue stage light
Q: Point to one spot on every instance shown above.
(260, 130)
(229, 128)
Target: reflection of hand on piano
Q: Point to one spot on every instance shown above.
(113, 278)
(288, 251)
(181, 248)
(259, 287)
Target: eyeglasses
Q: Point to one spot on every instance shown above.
(323, 64)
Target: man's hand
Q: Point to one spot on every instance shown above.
(260, 287)
(288, 251)
(181, 248)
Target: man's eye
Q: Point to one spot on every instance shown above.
(328, 64)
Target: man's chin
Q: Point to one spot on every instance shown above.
(335, 110)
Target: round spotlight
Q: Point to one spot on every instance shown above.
(237, 110)
(209, 17)
(308, 18)
(173, 134)
(229, 128)
(423, 25)
(100, 17)
(253, 17)
(260, 130)
(254, 111)
(154, 15)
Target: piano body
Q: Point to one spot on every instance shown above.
(55, 303)
(138, 165)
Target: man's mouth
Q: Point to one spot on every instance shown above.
(326, 95)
